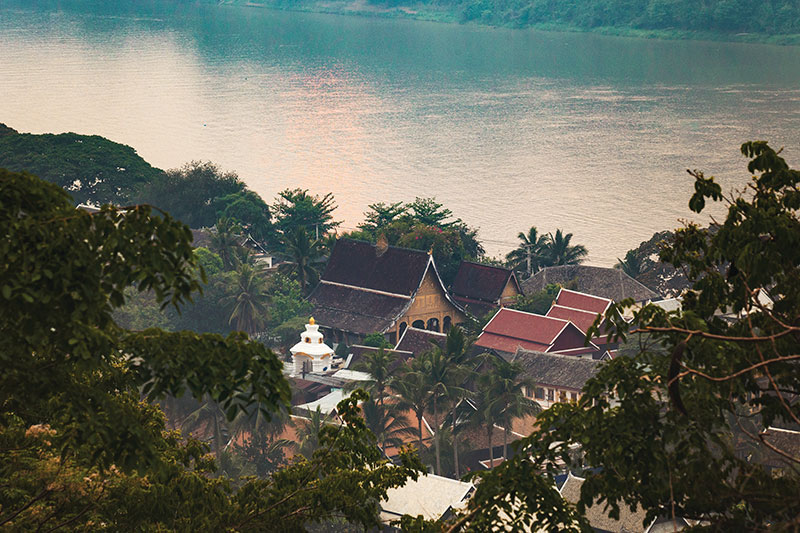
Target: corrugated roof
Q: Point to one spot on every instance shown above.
(361, 264)
(582, 301)
(562, 371)
(611, 283)
(480, 282)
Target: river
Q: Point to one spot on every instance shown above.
(508, 128)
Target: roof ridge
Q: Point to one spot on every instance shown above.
(427, 331)
(573, 309)
(531, 314)
(372, 244)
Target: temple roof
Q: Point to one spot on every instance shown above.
(361, 264)
(354, 310)
(611, 283)
(510, 329)
(476, 281)
(417, 340)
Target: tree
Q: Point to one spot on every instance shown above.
(378, 364)
(248, 210)
(691, 418)
(79, 447)
(381, 215)
(631, 265)
(296, 209)
(412, 393)
(529, 254)
(247, 300)
(286, 300)
(191, 193)
(387, 423)
(559, 251)
(225, 241)
(538, 302)
(303, 252)
(508, 390)
(376, 340)
(91, 168)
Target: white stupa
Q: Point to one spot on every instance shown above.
(311, 349)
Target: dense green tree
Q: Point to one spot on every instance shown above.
(93, 169)
(683, 428)
(378, 364)
(381, 215)
(286, 300)
(296, 209)
(248, 210)
(226, 240)
(376, 340)
(538, 302)
(191, 192)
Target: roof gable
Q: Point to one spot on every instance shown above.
(361, 264)
(582, 301)
(480, 282)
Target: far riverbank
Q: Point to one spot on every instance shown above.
(362, 8)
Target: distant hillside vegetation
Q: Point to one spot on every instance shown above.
(763, 17)
(91, 168)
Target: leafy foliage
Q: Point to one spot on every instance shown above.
(93, 169)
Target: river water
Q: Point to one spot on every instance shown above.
(508, 128)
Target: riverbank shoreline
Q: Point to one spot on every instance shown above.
(360, 8)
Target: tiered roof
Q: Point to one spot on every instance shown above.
(557, 370)
(510, 329)
(417, 340)
(478, 287)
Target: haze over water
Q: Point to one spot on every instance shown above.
(508, 128)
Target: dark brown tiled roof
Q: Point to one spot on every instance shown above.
(480, 282)
(563, 371)
(360, 264)
(476, 308)
(417, 340)
(354, 310)
(611, 283)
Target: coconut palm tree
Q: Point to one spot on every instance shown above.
(248, 299)
(303, 252)
(412, 393)
(508, 391)
(631, 265)
(457, 348)
(487, 410)
(377, 364)
(209, 417)
(308, 432)
(531, 247)
(387, 423)
(225, 241)
(559, 251)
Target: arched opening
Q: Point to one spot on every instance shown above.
(447, 324)
(403, 328)
(433, 324)
(419, 324)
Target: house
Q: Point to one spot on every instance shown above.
(434, 497)
(370, 288)
(480, 289)
(610, 283)
(558, 377)
(582, 310)
(510, 329)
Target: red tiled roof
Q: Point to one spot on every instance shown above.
(581, 318)
(538, 329)
(579, 300)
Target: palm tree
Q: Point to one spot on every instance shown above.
(248, 299)
(559, 251)
(631, 265)
(387, 423)
(508, 391)
(209, 417)
(377, 364)
(528, 254)
(308, 432)
(443, 379)
(457, 348)
(487, 410)
(225, 241)
(412, 393)
(297, 244)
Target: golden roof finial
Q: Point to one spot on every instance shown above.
(430, 252)
(312, 321)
